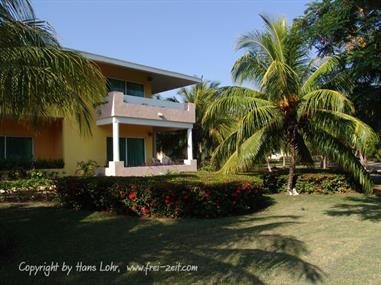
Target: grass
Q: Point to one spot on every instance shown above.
(328, 239)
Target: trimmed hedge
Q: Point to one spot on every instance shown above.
(324, 183)
(26, 164)
(160, 197)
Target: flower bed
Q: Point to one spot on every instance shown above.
(160, 197)
(33, 189)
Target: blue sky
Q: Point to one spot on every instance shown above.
(187, 36)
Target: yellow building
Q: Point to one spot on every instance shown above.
(123, 134)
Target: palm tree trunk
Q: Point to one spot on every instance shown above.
(292, 133)
(283, 154)
(292, 170)
(268, 165)
(323, 162)
(363, 159)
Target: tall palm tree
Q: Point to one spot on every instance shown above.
(38, 78)
(292, 106)
(207, 134)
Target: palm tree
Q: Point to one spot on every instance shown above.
(292, 106)
(207, 134)
(38, 78)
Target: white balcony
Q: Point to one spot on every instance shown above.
(145, 111)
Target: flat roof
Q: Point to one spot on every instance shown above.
(162, 80)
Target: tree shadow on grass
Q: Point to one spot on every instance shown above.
(366, 207)
(242, 249)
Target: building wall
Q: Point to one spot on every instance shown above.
(61, 138)
(47, 137)
(78, 147)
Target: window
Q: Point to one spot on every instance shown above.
(135, 89)
(131, 151)
(16, 147)
(128, 88)
(2, 147)
(116, 85)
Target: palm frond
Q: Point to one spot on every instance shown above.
(40, 82)
(325, 99)
(235, 102)
(352, 131)
(258, 118)
(312, 82)
(338, 152)
(242, 160)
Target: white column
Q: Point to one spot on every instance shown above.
(115, 139)
(190, 145)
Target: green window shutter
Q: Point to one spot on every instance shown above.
(116, 85)
(122, 150)
(19, 147)
(2, 145)
(109, 149)
(135, 152)
(135, 89)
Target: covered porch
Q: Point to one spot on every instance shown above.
(127, 157)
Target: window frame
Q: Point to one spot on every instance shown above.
(13, 136)
(125, 141)
(125, 85)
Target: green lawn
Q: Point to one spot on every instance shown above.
(331, 239)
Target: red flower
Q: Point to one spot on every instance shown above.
(122, 194)
(145, 211)
(206, 194)
(132, 195)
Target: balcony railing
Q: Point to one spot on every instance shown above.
(126, 106)
(154, 102)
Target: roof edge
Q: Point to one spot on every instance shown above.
(136, 66)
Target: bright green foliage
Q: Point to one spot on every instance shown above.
(206, 134)
(38, 78)
(294, 105)
(350, 29)
(325, 183)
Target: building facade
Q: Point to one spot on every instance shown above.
(123, 140)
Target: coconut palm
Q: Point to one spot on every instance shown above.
(38, 78)
(207, 134)
(293, 105)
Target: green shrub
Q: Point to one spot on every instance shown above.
(325, 183)
(9, 164)
(86, 168)
(159, 197)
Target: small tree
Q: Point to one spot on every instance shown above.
(293, 106)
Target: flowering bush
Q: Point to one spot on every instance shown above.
(160, 198)
(324, 183)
